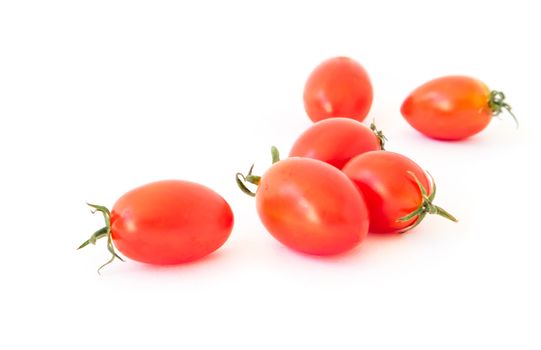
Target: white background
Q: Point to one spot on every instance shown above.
(98, 97)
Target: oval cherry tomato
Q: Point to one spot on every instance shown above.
(338, 87)
(452, 107)
(336, 141)
(167, 222)
(312, 207)
(396, 190)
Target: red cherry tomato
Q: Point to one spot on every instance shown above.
(310, 206)
(396, 190)
(167, 222)
(336, 141)
(338, 87)
(452, 107)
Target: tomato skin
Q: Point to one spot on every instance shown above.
(449, 108)
(389, 191)
(335, 141)
(170, 222)
(338, 87)
(311, 207)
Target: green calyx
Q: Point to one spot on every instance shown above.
(426, 207)
(379, 134)
(497, 104)
(242, 180)
(102, 232)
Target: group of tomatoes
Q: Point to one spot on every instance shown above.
(337, 184)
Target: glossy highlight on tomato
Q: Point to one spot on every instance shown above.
(396, 190)
(338, 87)
(336, 141)
(453, 107)
(310, 206)
(166, 222)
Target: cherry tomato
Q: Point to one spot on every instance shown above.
(338, 87)
(166, 222)
(336, 141)
(452, 107)
(396, 190)
(310, 206)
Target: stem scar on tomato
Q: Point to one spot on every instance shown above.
(102, 232)
(497, 103)
(426, 207)
(242, 179)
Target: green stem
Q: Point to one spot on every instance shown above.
(275, 155)
(497, 104)
(103, 232)
(426, 206)
(444, 213)
(379, 134)
(242, 180)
